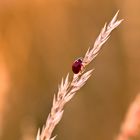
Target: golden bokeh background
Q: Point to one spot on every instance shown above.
(39, 40)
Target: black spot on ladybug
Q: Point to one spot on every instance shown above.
(77, 65)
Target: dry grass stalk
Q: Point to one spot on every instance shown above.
(131, 126)
(67, 89)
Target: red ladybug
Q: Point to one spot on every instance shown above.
(77, 65)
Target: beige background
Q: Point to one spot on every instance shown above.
(39, 40)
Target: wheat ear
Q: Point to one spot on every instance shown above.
(67, 89)
(130, 128)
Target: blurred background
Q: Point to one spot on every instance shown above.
(40, 39)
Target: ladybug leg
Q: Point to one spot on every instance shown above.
(82, 69)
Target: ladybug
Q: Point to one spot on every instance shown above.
(77, 65)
